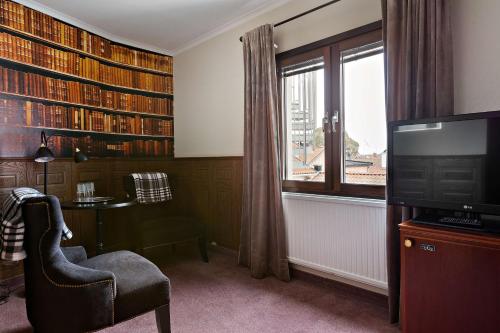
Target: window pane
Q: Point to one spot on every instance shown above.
(303, 101)
(364, 122)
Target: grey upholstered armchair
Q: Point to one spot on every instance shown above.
(66, 292)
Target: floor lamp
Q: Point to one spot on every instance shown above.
(44, 155)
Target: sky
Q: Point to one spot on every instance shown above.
(364, 103)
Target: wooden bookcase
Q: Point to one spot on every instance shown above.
(107, 98)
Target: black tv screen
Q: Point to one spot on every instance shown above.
(446, 163)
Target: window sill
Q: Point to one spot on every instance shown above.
(379, 203)
(346, 190)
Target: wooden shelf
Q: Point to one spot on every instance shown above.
(77, 133)
(86, 80)
(85, 53)
(91, 107)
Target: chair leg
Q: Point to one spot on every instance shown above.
(202, 245)
(163, 319)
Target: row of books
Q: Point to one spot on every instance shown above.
(63, 147)
(25, 19)
(28, 52)
(24, 142)
(125, 55)
(26, 113)
(139, 103)
(136, 148)
(31, 84)
(151, 126)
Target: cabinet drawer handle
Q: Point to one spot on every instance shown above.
(408, 243)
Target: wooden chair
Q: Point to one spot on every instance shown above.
(159, 230)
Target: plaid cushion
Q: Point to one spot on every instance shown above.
(12, 227)
(151, 187)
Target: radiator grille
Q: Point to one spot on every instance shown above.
(338, 236)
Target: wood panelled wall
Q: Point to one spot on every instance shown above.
(205, 188)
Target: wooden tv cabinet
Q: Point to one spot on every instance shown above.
(450, 280)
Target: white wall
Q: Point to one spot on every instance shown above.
(209, 77)
(476, 55)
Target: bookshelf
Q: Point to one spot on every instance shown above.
(70, 76)
(101, 135)
(37, 26)
(107, 98)
(5, 28)
(85, 106)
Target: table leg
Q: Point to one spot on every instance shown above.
(99, 238)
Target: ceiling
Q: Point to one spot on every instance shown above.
(166, 26)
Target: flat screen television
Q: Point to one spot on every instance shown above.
(449, 163)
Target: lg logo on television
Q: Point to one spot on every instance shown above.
(467, 207)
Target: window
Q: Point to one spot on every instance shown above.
(364, 141)
(303, 98)
(333, 116)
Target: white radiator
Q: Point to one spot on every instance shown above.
(344, 237)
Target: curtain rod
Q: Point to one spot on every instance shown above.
(301, 14)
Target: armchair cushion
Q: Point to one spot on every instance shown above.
(74, 254)
(140, 285)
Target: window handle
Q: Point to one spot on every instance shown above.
(326, 124)
(335, 119)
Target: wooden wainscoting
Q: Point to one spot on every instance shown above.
(216, 189)
(208, 188)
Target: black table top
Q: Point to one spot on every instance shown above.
(115, 203)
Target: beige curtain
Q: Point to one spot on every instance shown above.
(419, 84)
(262, 243)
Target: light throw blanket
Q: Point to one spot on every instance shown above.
(12, 226)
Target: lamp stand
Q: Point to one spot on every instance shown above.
(45, 178)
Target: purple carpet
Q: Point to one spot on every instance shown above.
(222, 297)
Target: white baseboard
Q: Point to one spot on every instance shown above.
(338, 278)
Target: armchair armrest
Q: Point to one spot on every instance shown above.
(88, 292)
(69, 274)
(74, 254)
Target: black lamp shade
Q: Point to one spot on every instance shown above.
(79, 156)
(43, 154)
